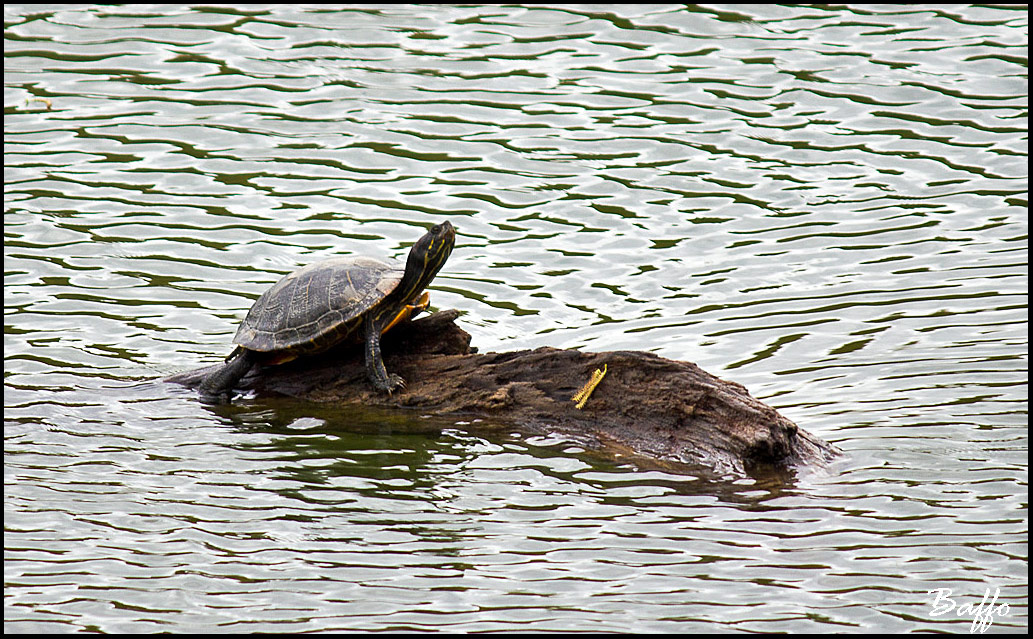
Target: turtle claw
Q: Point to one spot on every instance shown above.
(394, 382)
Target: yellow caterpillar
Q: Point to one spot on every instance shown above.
(586, 391)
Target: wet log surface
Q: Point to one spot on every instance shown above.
(645, 407)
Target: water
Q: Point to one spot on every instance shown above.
(827, 205)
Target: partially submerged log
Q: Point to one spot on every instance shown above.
(646, 406)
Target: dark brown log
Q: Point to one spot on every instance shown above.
(646, 407)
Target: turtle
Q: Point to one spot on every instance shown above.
(330, 302)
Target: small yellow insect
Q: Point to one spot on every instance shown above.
(586, 391)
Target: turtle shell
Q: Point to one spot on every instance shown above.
(317, 306)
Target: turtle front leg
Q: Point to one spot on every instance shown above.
(375, 370)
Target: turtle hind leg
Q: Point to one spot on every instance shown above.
(217, 386)
(375, 370)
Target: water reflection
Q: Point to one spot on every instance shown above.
(826, 204)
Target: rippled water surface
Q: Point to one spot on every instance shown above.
(827, 205)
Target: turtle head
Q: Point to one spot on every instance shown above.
(427, 256)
